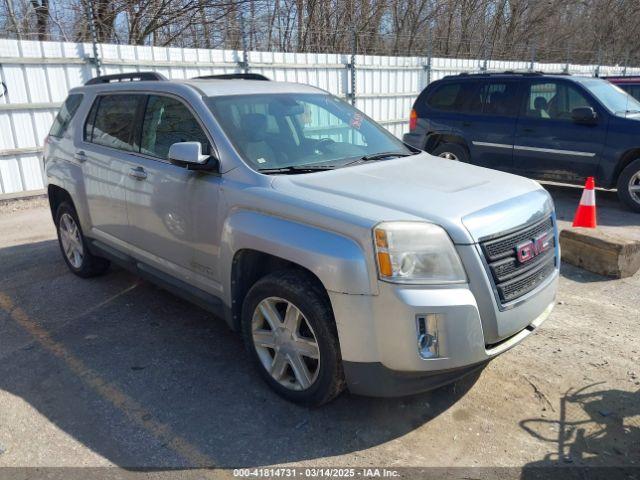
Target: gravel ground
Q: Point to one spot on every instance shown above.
(113, 371)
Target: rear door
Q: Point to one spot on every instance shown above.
(548, 143)
(489, 122)
(107, 155)
(173, 211)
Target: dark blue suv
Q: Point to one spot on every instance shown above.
(553, 127)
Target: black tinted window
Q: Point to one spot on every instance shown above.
(168, 121)
(453, 96)
(114, 122)
(68, 109)
(495, 98)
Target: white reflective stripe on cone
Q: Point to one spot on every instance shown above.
(588, 198)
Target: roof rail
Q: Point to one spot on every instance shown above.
(508, 72)
(126, 77)
(233, 76)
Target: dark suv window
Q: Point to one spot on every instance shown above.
(495, 98)
(553, 100)
(111, 121)
(168, 121)
(448, 97)
(66, 113)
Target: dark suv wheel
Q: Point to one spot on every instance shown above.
(73, 245)
(629, 186)
(290, 332)
(451, 151)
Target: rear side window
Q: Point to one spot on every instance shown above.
(497, 98)
(111, 121)
(168, 121)
(66, 113)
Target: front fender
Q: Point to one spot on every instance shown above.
(336, 260)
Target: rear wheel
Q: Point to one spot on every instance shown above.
(73, 245)
(629, 186)
(451, 151)
(289, 330)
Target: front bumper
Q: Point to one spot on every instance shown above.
(379, 335)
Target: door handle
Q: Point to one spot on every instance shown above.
(528, 130)
(138, 173)
(80, 156)
(466, 124)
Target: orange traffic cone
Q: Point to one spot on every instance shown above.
(586, 213)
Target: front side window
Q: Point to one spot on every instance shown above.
(66, 113)
(113, 125)
(553, 100)
(168, 121)
(294, 129)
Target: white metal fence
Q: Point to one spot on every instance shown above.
(36, 77)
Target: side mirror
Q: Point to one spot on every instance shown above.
(584, 116)
(189, 155)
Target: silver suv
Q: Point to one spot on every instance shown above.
(345, 257)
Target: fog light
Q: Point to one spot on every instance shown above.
(428, 337)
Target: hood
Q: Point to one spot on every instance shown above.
(470, 202)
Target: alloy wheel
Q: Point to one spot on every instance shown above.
(634, 187)
(448, 156)
(71, 240)
(286, 343)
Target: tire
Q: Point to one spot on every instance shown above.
(629, 178)
(297, 293)
(73, 244)
(451, 151)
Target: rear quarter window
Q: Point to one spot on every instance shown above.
(452, 96)
(445, 96)
(66, 113)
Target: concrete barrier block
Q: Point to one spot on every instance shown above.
(598, 252)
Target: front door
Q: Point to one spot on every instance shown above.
(173, 211)
(548, 143)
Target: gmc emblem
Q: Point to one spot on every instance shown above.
(540, 244)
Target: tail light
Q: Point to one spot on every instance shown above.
(413, 119)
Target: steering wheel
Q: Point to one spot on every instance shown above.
(323, 143)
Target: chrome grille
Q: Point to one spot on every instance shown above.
(512, 278)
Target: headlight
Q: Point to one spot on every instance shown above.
(414, 252)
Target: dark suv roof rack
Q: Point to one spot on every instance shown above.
(233, 76)
(508, 72)
(126, 77)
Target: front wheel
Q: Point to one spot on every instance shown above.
(451, 151)
(290, 332)
(629, 186)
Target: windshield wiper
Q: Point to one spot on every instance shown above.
(296, 169)
(381, 155)
(378, 156)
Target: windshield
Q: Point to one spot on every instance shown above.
(612, 96)
(289, 130)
